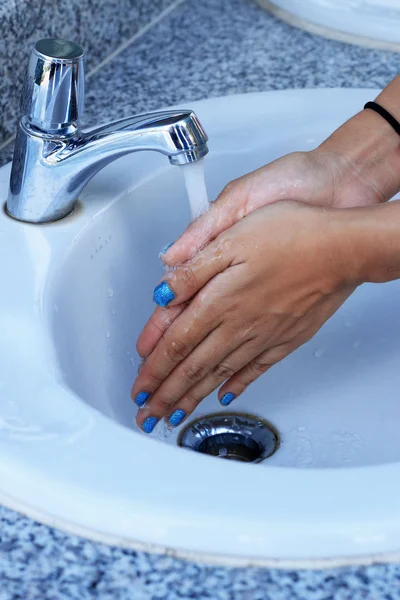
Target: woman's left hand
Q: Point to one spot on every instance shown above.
(257, 292)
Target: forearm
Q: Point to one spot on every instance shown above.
(370, 146)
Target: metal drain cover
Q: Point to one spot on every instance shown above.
(233, 436)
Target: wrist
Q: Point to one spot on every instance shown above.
(367, 243)
(366, 154)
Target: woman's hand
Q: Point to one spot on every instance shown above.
(356, 166)
(208, 341)
(258, 291)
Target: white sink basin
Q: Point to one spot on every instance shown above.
(371, 23)
(75, 295)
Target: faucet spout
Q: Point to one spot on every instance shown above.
(176, 133)
(54, 159)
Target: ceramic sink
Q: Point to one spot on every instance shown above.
(75, 295)
(371, 23)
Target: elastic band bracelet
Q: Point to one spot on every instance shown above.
(385, 114)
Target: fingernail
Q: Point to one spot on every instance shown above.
(149, 424)
(165, 248)
(177, 417)
(163, 294)
(227, 399)
(142, 398)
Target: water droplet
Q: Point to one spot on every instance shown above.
(110, 293)
(108, 335)
(319, 353)
(113, 311)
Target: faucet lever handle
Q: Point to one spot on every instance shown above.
(53, 92)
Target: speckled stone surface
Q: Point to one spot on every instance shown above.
(39, 563)
(99, 26)
(214, 48)
(207, 48)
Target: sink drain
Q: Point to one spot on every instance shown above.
(233, 436)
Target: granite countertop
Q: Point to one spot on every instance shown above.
(201, 49)
(100, 27)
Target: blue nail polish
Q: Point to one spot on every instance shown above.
(163, 294)
(227, 399)
(165, 248)
(177, 417)
(142, 398)
(149, 424)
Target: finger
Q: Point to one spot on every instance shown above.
(182, 283)
(237, 384)
(309, 326)
(207, 360)
(246, 364)
(155, 327)
(178, 401)
(222, 214)
(238, 199)
(204, 314)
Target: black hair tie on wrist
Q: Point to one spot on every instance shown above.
(385, 114)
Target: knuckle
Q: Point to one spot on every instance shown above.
(162, 317)
(223, 371)
(247, 330)
(227, 190)
(279, 353)
(188, 278)
(176, 351)
(259, 366)
(151, 375)
(194, 372)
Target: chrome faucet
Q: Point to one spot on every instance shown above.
(54, 159)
